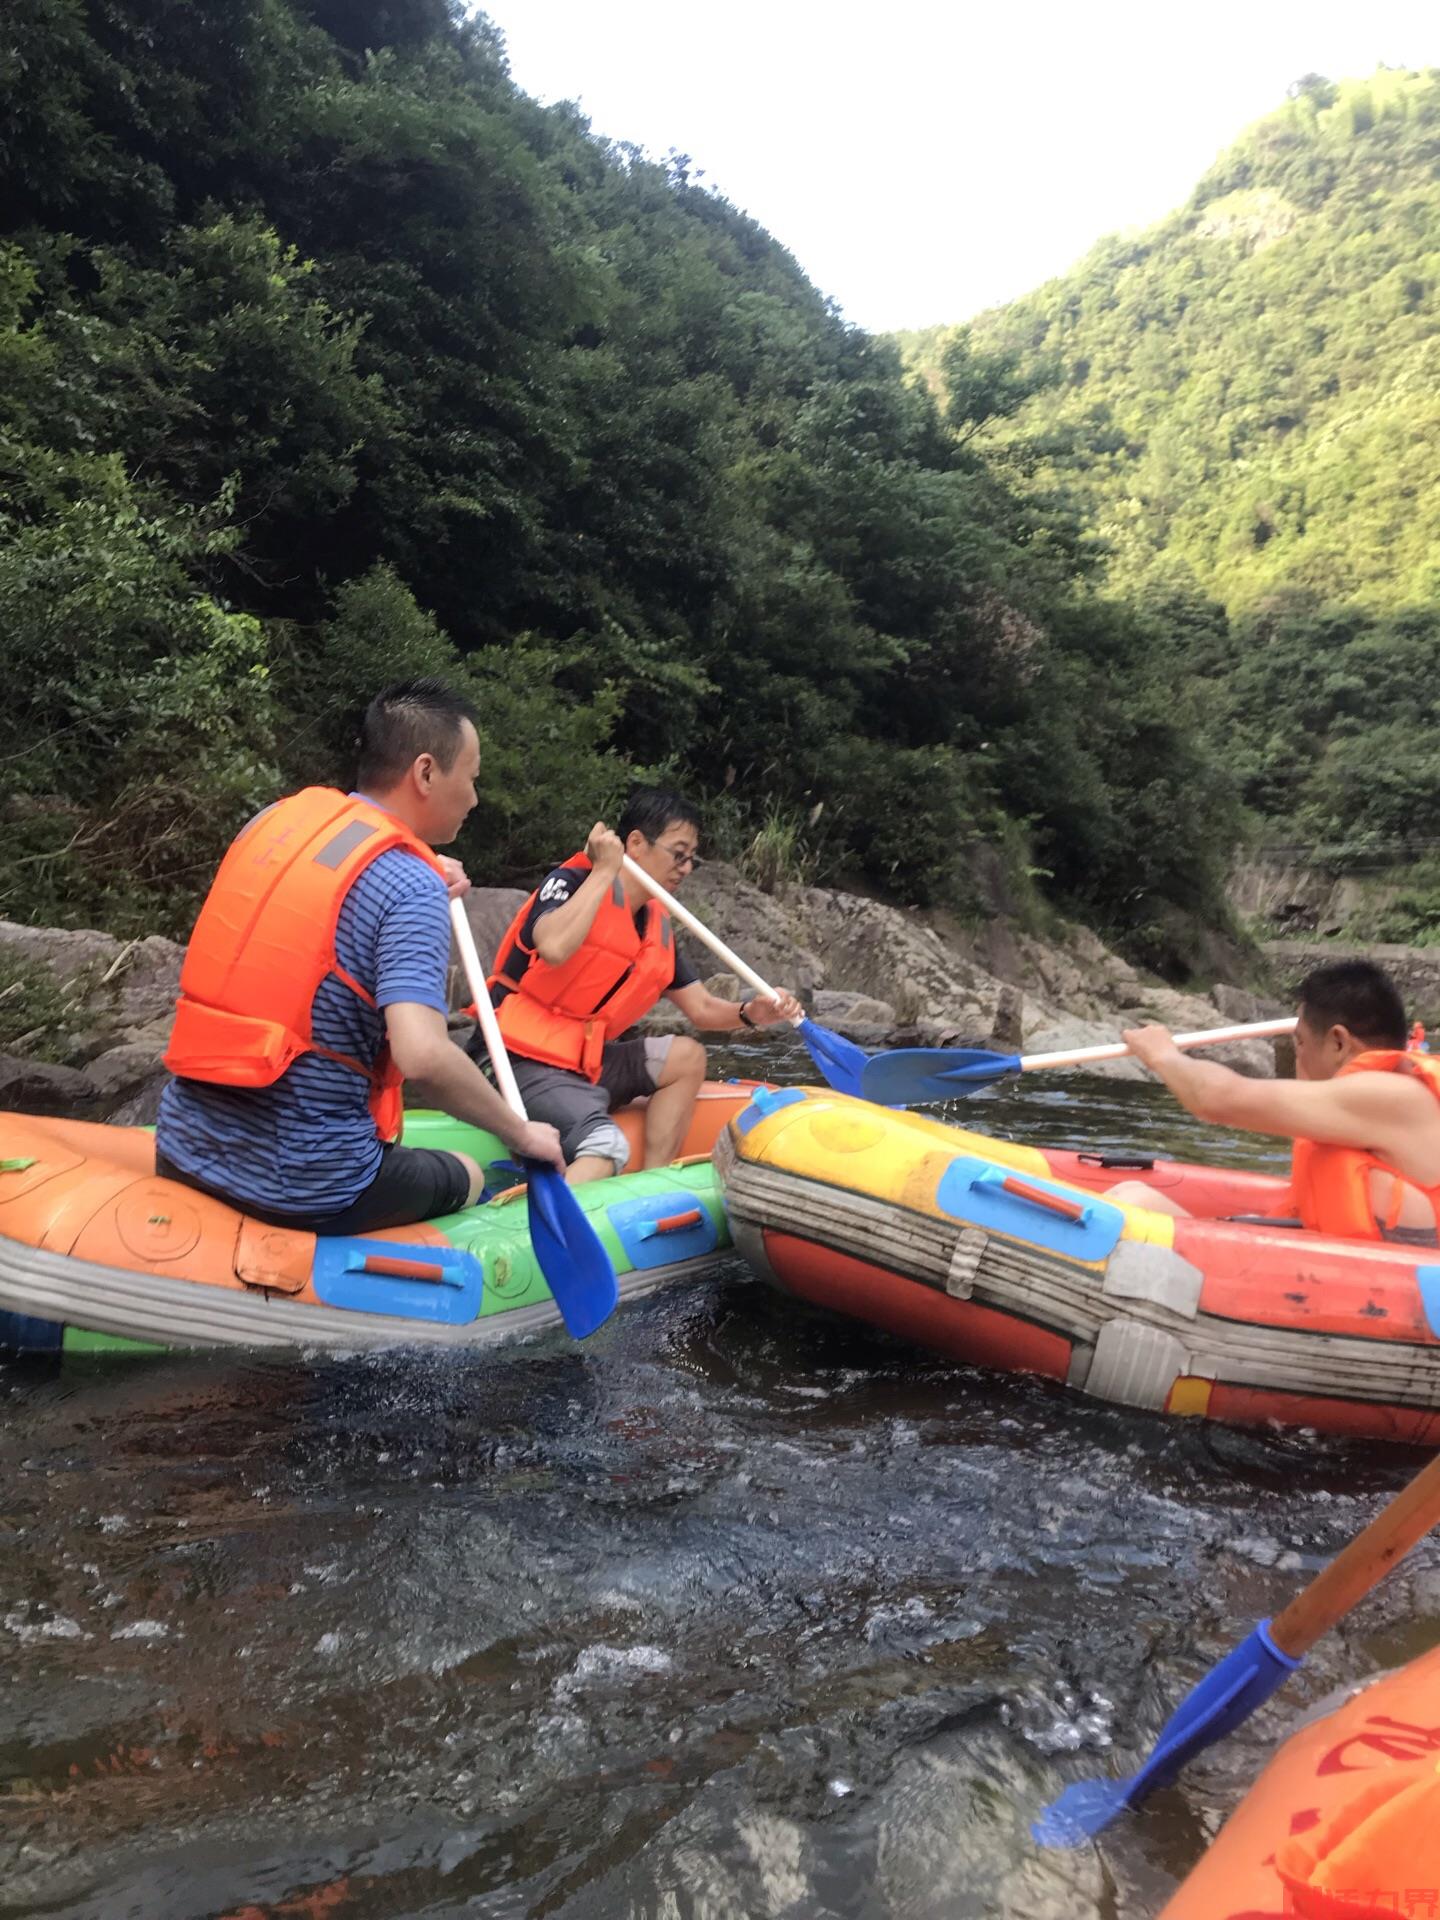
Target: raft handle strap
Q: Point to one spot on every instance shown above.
(393, 1268)
(673, 1223)
(1040, 1197)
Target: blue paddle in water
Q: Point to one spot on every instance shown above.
(840, 1060)
(926, 1076)
(576, 1266)
(1246, 1677)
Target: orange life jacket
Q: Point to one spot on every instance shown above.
(565, 1015)
(265, 940)
(1381, 1840)
(1331, 1185)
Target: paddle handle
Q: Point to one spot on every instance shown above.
(1117, 1050)
(1360, 1566)
(701, 932)
(489, 1025)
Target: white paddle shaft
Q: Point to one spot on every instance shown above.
(701, 932)
(489, 1025)
(1259, 1030)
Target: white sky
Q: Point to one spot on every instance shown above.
(924, 161)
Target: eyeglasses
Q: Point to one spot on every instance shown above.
(681, 856)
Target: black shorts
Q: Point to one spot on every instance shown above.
(576, 1107)
(414, 1183)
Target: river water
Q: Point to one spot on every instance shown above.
(735, 1611)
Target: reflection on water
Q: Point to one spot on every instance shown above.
(735, 1611)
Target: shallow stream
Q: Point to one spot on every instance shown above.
(737, 1611)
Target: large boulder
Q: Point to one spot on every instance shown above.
(124, 983)
(39, 1086)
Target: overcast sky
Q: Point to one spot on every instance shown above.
(926, 161)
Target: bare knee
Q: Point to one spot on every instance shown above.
(1135, 1193)
(685, 1061)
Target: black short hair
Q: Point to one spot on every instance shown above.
(1356, 995)
(404, 721)
(650, 810)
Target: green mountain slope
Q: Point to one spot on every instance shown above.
(1248, 395)
(1242, 405)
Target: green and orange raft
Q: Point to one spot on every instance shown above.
(96, 1251)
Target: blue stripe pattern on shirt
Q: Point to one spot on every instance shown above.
(307, 1145)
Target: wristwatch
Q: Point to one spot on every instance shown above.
(745, 1019)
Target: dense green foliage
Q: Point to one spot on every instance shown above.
(1243, 404)
(326, 355)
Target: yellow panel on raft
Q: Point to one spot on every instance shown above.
(898, 1157)
(1190, 1395)
(869, 1149)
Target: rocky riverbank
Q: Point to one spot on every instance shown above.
(90, 1014)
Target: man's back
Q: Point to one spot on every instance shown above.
(308, 1145)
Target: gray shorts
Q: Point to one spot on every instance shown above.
(579, 1110)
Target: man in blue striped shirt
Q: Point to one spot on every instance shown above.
(303, 1152)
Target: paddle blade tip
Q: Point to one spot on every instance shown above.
(1085, 1808)
(570, 1254)
(839, 1059)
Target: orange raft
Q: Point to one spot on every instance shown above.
(1344, 1823)
(96, 1251)
(1010, 1257)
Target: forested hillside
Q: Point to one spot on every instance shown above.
(1243, 404)
(327, 355)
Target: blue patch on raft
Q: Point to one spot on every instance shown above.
(994, 1198)
(767, 1101)
(1428, 1280)
(658, 1228)
(445, 1287)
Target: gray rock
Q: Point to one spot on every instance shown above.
(489, 911)
(119, 1072)
(1415, 970)
(124, 983)
(142, 1107)
(1241, 1007)
(855, 1015)
(1008, 1028)
(35, 1086)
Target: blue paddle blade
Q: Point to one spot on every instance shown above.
(924, 1076)
(576, 1266)
(840, 1060)
(1229, 1693)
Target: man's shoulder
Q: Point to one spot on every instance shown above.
(396, 875)
(559, 880)
(394, 885)
(557, 886)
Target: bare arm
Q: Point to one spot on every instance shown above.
(1378, 1111)
(422, 1049)
(560, 933)
(710, 1014)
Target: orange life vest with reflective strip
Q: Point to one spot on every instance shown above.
(265, 940)
(565, 1015)
(1331, 1185)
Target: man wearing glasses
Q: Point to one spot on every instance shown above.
(588, 955)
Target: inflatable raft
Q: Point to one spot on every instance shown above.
(1344, 1824)
(95, 1251)
(1010, 1257)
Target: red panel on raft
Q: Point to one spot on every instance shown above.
(1266, 1277)
(967, 1331)
(1257, 1406)
(1209, 1193)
